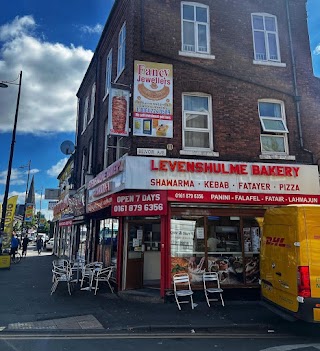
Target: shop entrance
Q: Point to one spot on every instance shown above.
(143, 254)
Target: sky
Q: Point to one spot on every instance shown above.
(52, 43)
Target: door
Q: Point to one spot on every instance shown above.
(134, 269)
(143, 254)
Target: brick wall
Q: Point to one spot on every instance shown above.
(234, 82)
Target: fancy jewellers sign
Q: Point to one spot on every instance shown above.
(218, 181)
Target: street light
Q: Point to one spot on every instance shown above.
(4, 84)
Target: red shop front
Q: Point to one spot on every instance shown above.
(195, 222)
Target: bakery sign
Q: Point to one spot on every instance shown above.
(225, 182)
(118, 114)
(153, 99)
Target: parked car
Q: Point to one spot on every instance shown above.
(50, 244)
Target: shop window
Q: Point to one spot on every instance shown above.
(265, 37)
(108, 241)
(197, 122)
(227, 245)
(82, 242)
(274, 136)
(195, 28)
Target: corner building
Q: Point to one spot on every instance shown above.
(193, 119)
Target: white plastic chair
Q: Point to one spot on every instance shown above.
(103, 275)
(209, 279)
(61, 274)
(182, 288)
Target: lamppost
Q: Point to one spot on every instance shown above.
(4, 84)
(26, 195)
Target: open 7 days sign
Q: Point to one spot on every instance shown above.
(225, 182)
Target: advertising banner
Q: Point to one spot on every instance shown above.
(29, 213)
(8, 222)
(118, 114)
(153, 203)
(153, 99)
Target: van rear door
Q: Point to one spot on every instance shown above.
(312, 225)
(280, 258)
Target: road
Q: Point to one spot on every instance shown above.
(157, 342)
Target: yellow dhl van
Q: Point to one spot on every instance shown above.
(290, 261)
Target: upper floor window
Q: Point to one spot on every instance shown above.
(121, 50)
(85, 113)
(195, 27)
(83, 167)
(89, 171)
(197, 122)
(108, 73)
(106, 147)
(274, 136)
(92, 101)
(265, 37)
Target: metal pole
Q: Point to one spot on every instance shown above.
(13, 140)
(39, 211)
(25, 199)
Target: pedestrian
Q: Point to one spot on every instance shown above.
(39, 245)
(25, 243)
(14, 246)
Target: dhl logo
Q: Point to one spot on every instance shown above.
(275, 241)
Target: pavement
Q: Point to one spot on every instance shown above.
(26, 304)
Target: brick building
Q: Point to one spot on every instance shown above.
(193, 118)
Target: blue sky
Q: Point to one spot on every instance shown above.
(52, 42)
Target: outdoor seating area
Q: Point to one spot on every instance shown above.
(183, 292)
(81, 276)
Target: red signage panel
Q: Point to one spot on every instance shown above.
(241, 198)
(151, 203)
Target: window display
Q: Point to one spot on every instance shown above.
(227, 245)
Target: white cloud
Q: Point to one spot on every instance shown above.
(56, 169)
(316, 51)
(18, 176)
(52, 74)
(97, 29)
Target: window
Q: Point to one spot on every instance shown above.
(121, 50)
(108, 73)
(89, 171)
(121, 149)
(105, 161)
(265, 37)
(274, 137)
(85, 114)
(92, 101)
(197, 122)
(195, 28)
(83, 167)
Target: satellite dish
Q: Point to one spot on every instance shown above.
(67, 147)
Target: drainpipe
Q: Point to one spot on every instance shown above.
(297, 98)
